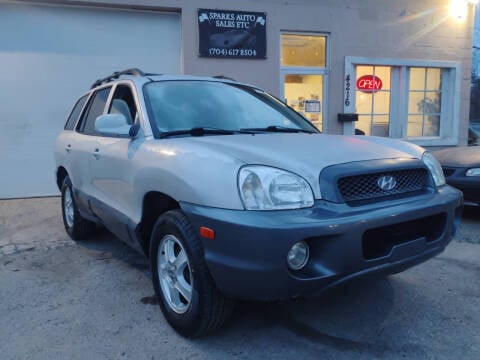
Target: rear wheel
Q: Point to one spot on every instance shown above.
(76, 226)
(187, 295)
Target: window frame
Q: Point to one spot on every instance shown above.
(450, 111)
(443, 108)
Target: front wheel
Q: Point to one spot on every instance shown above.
(187, 295)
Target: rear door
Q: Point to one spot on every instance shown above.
(63, 151)
(84, 147)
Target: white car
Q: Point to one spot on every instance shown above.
(231, 194)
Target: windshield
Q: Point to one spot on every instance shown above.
(183, 105)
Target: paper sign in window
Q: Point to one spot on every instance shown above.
(312, 106)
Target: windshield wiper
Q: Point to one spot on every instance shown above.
(201, 131)
(276, 128)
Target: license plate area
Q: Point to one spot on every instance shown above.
(379, 242)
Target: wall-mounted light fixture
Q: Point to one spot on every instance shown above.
(459, 8)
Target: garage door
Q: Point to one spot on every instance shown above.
(49, 55)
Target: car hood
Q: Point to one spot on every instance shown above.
(306, 154)
(459, 156)
(312, 151)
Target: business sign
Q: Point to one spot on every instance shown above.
(232, 34)
(369, 83)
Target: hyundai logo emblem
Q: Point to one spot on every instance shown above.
(386, 183)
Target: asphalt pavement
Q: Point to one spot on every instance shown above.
(94, 300)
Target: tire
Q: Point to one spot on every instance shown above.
(186, 293)
(77, 227)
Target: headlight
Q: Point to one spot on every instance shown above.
(434, 167)
(267, 188)
(473, 172)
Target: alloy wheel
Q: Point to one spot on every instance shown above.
(68, 207)
(174, 274)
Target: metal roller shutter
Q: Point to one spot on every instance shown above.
(49, 55)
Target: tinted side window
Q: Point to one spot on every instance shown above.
(72, 119)
(123, 103)
(95, 109)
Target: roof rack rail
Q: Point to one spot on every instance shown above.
(117, 74)
(224, 77)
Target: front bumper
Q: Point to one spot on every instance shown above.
(247, 258)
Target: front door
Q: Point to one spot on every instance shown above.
(113, 171)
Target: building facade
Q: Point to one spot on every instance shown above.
(393, 68)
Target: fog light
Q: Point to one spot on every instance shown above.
(298, 255)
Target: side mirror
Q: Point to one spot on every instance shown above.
(115, 125)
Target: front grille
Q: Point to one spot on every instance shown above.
(363, 188)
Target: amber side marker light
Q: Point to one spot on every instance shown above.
(207, 233)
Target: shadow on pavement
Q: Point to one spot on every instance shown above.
(109, 246)
(344, 318)
(471, 212)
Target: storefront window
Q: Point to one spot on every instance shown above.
(373, 100)
(415, 100)
(303, 50)
(424, 102)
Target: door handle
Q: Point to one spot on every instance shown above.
(96, 154)
(68, 148)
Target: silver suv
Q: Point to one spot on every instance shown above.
(232, 194)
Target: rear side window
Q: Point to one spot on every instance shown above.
(96, 106)
(75, 113)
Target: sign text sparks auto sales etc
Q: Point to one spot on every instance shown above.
(232, 34)
(229, 20)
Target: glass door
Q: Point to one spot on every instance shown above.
(304, 93)
(304, 70)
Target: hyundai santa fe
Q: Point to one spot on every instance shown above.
(231, 194)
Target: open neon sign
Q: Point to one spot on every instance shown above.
(369, 83)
